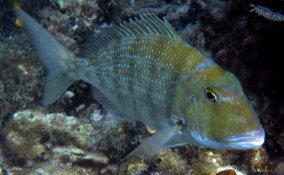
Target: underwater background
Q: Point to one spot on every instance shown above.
(76, 135)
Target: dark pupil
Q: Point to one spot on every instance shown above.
(210, 96)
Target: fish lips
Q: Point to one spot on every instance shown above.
(248, 140)
(244, 141)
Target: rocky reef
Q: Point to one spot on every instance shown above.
(76, 135)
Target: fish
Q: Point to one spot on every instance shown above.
(267, 13)
(143, 70)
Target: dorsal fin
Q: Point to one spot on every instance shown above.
(146, 24)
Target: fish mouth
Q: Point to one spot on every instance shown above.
(248, 140)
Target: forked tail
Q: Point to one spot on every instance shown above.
(54, 56)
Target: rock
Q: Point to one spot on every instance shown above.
(172, 162)
(96, 116)
(280, 169)
(259, 161)
(49, 144)
(227, 172)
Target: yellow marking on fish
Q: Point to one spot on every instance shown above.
(19, 23)
(17, 5)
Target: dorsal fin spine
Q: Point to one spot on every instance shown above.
(126, 29)
(150, 26)
(102, 41)
(155, 24)
(170, 29)
(136, 26)
(98, 43)
(111, 33)
(147, 29)
(116, 32)
(141, 28)
(94, 46)
(158, 23)
(120, 31)
(147, 24)
(115, 35)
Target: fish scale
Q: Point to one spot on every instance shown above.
(130, 70)
(143, 70)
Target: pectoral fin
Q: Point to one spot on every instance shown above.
(151, 145)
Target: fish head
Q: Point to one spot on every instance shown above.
(219, 114)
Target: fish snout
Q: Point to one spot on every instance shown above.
(248, 140)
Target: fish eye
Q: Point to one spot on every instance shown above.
(211, 95)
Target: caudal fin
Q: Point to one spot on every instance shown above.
(54, 56)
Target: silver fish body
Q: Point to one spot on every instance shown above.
(134, 79)
(143, 70)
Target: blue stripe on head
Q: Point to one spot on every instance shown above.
(206, 63)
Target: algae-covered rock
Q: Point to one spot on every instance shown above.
(259, 161)
(62, 129)
(34, 142)
(135, 167)
(50, 142)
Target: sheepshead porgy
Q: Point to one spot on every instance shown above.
(143, 70)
